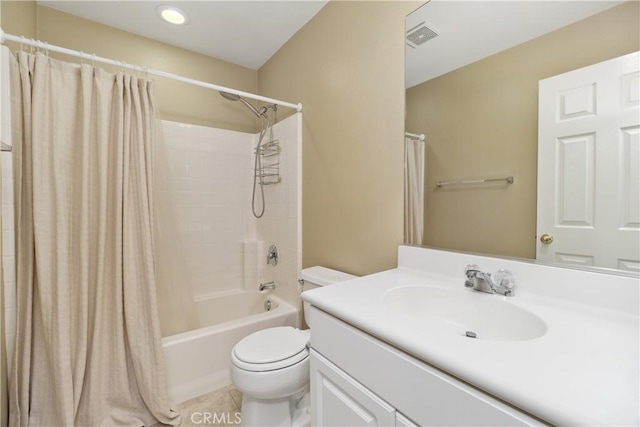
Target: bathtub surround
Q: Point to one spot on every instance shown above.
(281, 224)
(176, 308)
(88, 347)
(210, 176)
(225, 247)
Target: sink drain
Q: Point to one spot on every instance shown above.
(471, 334)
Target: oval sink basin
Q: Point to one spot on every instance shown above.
(466, 313)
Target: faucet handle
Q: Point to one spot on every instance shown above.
(504, 279)
(470, 268)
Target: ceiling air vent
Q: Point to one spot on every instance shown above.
(419, 35)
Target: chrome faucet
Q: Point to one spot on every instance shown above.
(273, 255)
(267, 286)
(502, 281)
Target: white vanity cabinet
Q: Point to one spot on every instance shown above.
(339, 400)
(543, 355)
(402, 421)
(358, 380)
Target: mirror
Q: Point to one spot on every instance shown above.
(472, 73)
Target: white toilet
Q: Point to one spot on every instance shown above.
(271, 367)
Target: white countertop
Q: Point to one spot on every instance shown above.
(583, 371)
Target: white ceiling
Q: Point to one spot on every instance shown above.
(246, 33)
(471, 30)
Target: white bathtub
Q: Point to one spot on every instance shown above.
(198, 361)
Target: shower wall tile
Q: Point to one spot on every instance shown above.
(8, 243)
(209, 186)
(281, 224)
(211, 180)
(7, 190)
(7, 165)
(254, 263)
(7, 217)
(9, 271)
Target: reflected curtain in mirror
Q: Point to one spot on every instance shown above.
(413, 189)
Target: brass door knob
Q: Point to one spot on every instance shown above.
(547, 239)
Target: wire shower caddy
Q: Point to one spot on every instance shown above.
(268, 172)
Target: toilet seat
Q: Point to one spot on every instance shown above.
(271, 349)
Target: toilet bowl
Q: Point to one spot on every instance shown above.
(271, 367)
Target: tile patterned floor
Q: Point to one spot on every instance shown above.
(220, 408)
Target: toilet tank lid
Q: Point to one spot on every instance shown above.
(323, 276)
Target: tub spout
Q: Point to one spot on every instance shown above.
(267, 286)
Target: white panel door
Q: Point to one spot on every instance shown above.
(588, 165)
(339, 400)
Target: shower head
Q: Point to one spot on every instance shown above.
(234, 97)
(229, 96)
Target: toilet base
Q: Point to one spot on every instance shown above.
(288, 411)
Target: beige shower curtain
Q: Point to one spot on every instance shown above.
(88, 348)
(413, 190)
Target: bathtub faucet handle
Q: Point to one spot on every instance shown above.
(273, 255)
(267, 286)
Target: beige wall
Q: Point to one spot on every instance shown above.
(481, 121)
(20, 18)
(346, 67)
(177, 101)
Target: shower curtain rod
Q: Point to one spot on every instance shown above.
(419, 136)
(94, 58)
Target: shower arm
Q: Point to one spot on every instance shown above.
(261, 114)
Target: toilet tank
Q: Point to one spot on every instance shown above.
(314, 277)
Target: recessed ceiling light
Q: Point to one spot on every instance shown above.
(172, 15)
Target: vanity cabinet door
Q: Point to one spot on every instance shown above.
(402, 421)
(339, 400)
